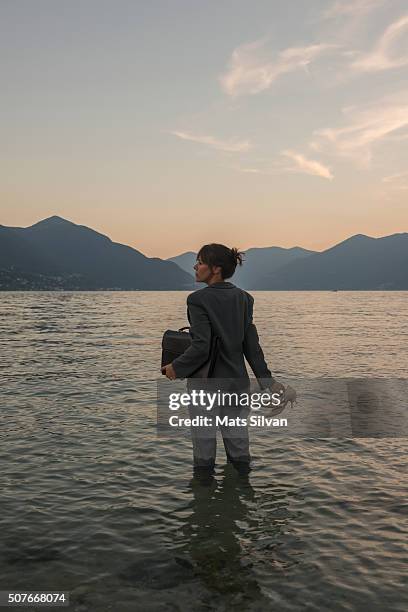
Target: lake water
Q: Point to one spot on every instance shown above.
(93, 503)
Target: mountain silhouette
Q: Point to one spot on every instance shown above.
(257, 262)
(56, 253)
(358, 263)
(185, 261)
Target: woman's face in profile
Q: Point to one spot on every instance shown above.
(203, 271)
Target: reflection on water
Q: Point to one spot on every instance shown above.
(95, 504)
(213, 536)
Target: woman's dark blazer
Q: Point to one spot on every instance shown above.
(227, 310)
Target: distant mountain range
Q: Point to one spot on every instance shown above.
(258, 262)
(58, 254)
(358, 263)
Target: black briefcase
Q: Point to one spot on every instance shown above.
(175, 343)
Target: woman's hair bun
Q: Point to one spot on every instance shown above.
(238, 256)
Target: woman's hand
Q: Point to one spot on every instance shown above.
(168, 370)
(277, 387)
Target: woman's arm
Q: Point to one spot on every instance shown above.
(253, 351)
(199, 351)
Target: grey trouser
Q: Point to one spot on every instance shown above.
(235, 438)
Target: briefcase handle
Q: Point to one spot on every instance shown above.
(183, 328)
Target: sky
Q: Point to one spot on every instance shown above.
(168, 125)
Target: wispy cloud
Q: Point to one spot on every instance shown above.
(352, 8)
(398, 181)
(229, 146)
(385, 54)
(366, 128)
(307, 166)
(347, 21)
(395, 177)
(250, 170)
(250, 72)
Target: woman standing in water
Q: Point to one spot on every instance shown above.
(222, 309)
